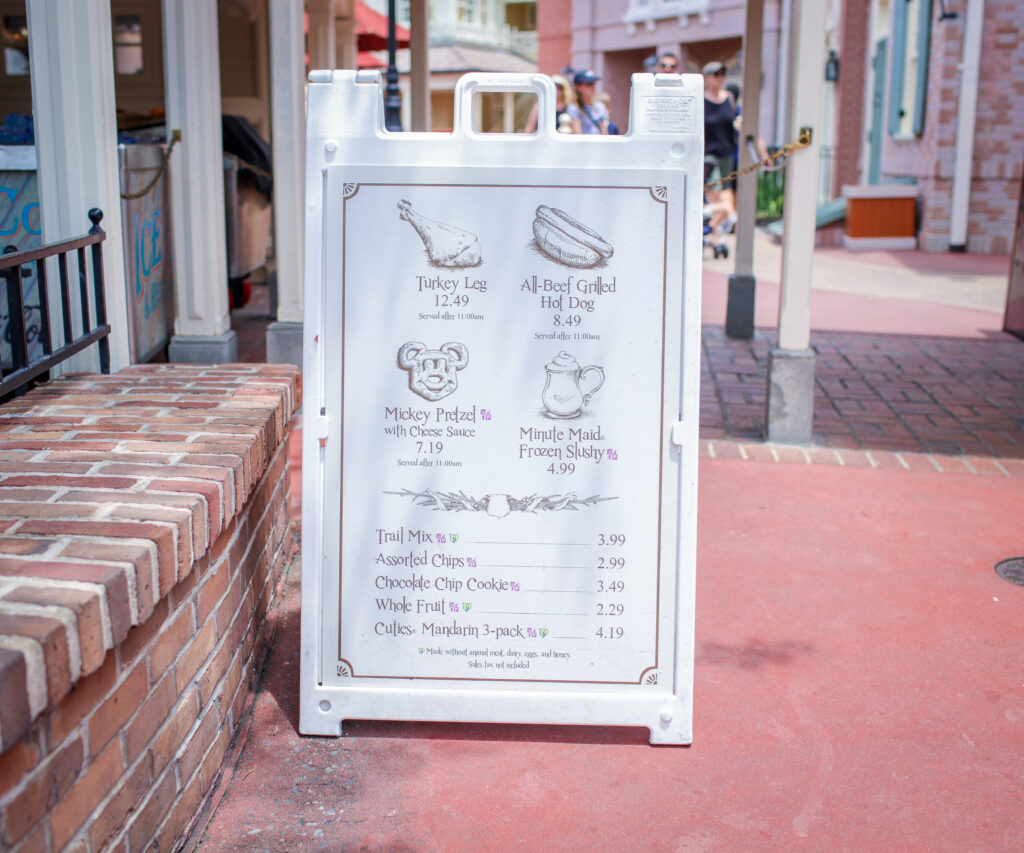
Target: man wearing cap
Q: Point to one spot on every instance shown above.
(665, 63)
(588, 115)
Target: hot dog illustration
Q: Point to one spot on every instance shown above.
(568, 241)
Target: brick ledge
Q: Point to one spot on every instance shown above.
(111, 489)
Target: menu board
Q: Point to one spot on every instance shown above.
(496, 371)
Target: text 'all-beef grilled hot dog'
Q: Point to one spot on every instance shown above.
(567, 241)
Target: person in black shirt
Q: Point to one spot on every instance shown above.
(719, 145)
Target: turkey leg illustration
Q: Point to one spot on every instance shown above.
(446, 245)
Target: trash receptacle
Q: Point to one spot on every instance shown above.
(247, 195)
(149, 271)
(248, 221)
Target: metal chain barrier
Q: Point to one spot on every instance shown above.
(175, 139)
(769, 162)
(248, 167)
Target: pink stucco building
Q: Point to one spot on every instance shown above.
(929, 92)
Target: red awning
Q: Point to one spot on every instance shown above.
(369, 59)
(372, 30)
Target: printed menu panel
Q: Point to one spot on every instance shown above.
(501, 390)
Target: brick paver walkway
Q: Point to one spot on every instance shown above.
(879, 393)
(897, 393)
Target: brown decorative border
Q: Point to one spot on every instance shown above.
(660, 195)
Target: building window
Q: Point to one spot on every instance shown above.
(911, 36)
(128, 44)
(521, 16)
(471, 12)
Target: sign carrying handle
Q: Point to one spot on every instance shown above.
(470, 85)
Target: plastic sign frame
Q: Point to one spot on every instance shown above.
(501, 361)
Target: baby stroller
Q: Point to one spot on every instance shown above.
(720, 249)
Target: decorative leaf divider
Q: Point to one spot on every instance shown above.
(499, 505)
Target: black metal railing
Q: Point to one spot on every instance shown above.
(22, 366)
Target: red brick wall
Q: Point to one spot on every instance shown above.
(554, 35)
(854, 80)
(999, 133)
(145, 521)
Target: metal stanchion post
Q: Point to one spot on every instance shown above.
(392, 98)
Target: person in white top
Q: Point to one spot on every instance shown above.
(588, 115)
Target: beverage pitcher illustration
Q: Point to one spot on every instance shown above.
(569, 387)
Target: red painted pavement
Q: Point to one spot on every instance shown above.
(846, 312)
(859, 671)
(859, 686)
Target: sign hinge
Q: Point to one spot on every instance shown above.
(320, 426)
(677, 433)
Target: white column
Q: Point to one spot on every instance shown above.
(786, 65)
(288, 117)
(71, 54)
(800, 209)
(345, 43)
(322, 36)
(202, 326)
(790, 410)
(419, 58)
(508, 113)
(970, 71)
(739, 317)
(746, 189)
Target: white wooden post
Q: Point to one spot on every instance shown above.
(71, 54)
(288, 118)
(739, 315)
(345, 42)
(419, 58)
(202, 326)
(322, 35)
(790, 408)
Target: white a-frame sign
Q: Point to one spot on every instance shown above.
(501, 366)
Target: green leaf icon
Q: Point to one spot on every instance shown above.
(466, 606)
(421, 651)
(543, 632)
